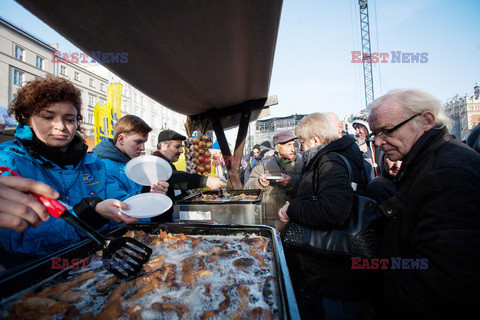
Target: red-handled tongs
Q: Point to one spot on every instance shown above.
(124, 257)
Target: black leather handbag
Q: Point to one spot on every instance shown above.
(359, 236)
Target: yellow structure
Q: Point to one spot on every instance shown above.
(106, 116)
(100, 118)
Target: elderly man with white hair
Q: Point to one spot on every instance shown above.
(432, 233)
(287, 168)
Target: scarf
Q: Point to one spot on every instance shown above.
(311, 153)
(72, 156)
(282, 161)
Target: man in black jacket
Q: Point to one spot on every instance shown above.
(432, 233)
(170, 148)
(473, 139)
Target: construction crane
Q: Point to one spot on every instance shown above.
(366, 52)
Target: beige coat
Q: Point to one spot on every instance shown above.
(275, 195)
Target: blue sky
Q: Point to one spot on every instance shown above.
(313, 70)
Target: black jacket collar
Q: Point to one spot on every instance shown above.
(159, 154)
(429, 142)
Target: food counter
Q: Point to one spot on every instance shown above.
(222, 207)
(196, 271)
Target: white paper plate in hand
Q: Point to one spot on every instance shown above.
(147, 170)
(274, 177)
(147, 205)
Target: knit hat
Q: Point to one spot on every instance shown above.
(265, 145)
(361, 118)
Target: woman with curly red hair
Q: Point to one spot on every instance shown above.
(49, 149)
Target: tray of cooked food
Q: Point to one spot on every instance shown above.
(223, 196)
(221, 206)
(195, 272)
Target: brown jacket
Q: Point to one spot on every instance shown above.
(275, 195)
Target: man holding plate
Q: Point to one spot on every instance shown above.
(129, 137)
(278, 176)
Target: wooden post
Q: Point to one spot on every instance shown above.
(239, 146)
(232, 165)
(233, 162)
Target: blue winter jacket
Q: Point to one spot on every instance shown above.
(87, 179)
(119, 185)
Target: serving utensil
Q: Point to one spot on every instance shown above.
(124, 256)
(225, 194)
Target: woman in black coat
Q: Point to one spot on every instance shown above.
(325, 284)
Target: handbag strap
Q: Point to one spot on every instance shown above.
(315, 182)
(347, 164)
(349, 168)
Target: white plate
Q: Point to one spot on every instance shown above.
(147, 205)
(147, 170)
(274, 177)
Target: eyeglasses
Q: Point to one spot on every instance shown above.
(387, 132)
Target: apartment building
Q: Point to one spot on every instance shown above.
(23, 57)
(137, 103)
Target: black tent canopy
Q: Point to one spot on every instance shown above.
(201, 58)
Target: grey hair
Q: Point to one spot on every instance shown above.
(416, 101)
(167, 142)
(317, 124)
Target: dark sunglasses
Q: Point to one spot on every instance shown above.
(387, 132)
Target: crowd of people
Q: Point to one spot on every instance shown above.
(425, 182)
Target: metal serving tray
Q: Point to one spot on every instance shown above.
(32, 275)
(222, 211)
(191, 198)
